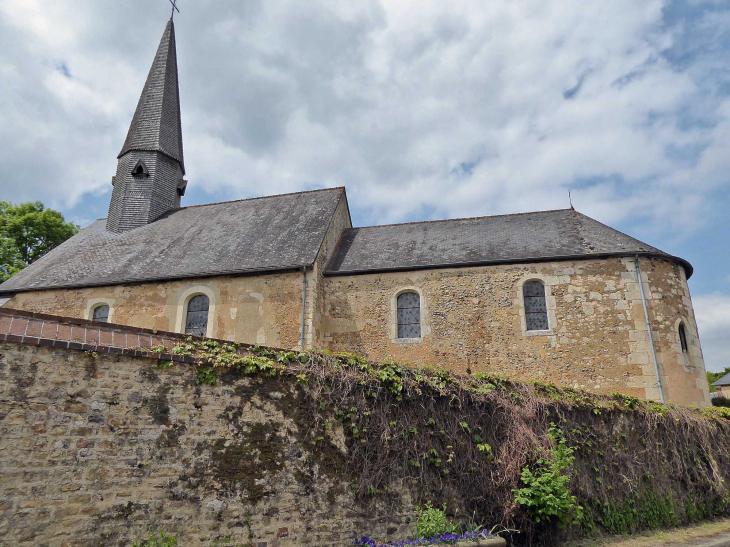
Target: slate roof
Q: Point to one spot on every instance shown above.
(156, 123)
(724, 381)
(526, 237)
(254, 235)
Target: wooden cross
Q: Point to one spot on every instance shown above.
(174, 8)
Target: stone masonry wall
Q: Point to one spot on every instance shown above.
(98, 448)
(473, 320)
(262, 309)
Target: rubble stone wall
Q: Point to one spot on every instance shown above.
(99, 448)
(473, 320)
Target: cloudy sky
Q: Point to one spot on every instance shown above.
(423, 109)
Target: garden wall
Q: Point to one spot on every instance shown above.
(101, 441)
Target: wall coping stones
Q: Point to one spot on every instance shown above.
(40, 329)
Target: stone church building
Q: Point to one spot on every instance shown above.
(552, 296)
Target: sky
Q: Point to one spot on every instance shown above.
(422, 109)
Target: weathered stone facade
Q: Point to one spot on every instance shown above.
(264, 309)
(472, 318)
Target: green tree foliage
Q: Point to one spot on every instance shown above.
(27, 232)
(715, 376)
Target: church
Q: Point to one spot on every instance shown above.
(552, 296)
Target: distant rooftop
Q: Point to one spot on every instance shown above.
(724, 381)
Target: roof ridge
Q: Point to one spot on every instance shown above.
(248, 199)
(463, 218)
(259, 197)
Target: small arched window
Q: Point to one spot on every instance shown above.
(683, 338)
(140, 169)
(196, 321)
(536, 317)
(409, 315)
(101, 313)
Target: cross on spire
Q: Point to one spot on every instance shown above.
(174, 8)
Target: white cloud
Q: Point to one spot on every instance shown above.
(713, 322)
(419, 107)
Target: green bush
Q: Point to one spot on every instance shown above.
(431, 521)
(163, 540)
(721, 401)
(545, 493)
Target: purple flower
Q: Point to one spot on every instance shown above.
(436, 540)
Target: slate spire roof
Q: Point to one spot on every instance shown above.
(156, 123)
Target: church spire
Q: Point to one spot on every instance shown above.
(156, 122)
(150, 167)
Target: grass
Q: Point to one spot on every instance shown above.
(667, 537)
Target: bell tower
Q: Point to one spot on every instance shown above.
(150, 168)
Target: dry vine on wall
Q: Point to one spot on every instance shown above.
(467, 440)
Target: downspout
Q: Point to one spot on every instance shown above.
(304, 303)
(648, 328)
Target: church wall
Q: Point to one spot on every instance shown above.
(263, 309)
(473, 319)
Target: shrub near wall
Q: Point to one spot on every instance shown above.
(286, 448)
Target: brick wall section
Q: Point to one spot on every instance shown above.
(98, 448)
(38, 329)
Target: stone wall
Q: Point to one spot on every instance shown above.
(102, 440)
(261, 309)
(99, 448)
(473, 320)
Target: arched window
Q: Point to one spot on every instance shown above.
(101, 313)
(140, 170)
(409, 315)
(196, 321)
(682, 338)
(535, 307)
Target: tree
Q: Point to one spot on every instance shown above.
(27, 232)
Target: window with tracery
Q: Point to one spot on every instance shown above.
(196, 321)
(536, 317)
(409, 315)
